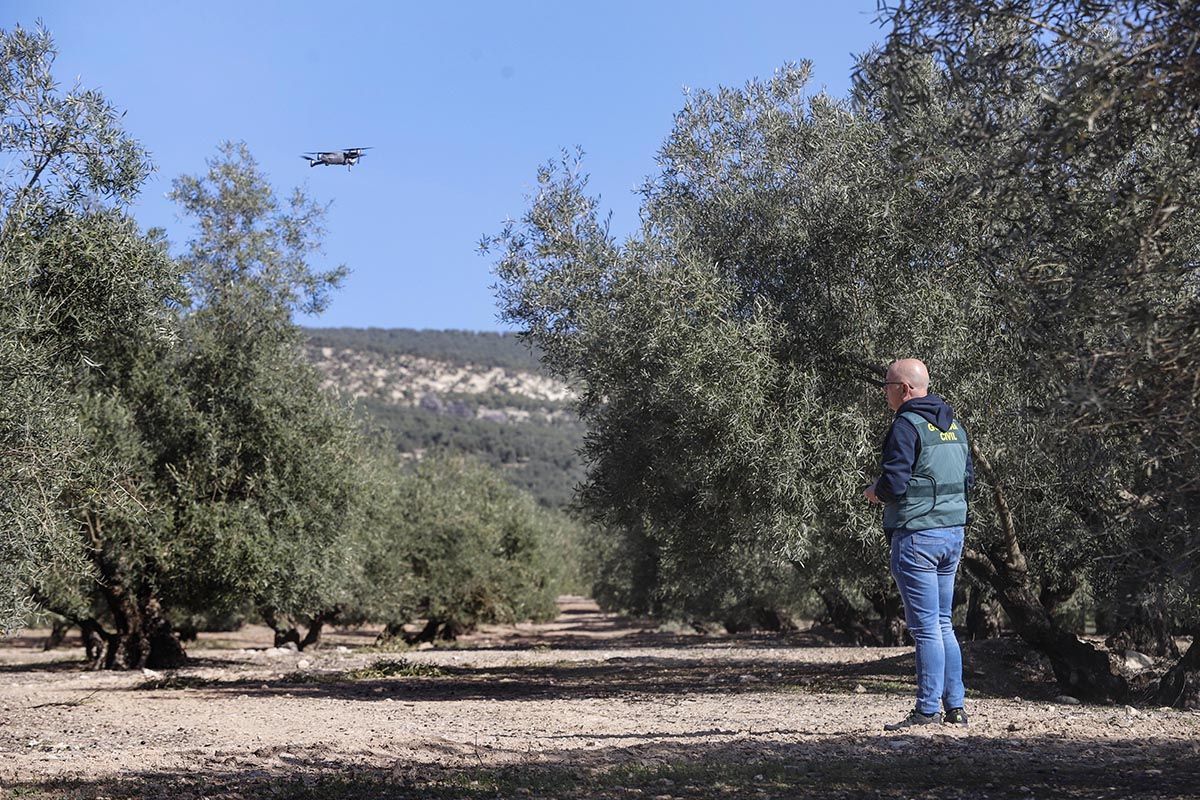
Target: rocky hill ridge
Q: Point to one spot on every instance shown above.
(404, 379)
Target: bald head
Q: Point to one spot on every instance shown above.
(906, 379)
(911, 371)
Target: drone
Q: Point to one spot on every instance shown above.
(335, 158)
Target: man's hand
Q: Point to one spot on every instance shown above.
(869, 493)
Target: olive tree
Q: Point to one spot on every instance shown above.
(241, 478)
(455, 545)
(74, 274)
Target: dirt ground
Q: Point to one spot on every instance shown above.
(587, 706)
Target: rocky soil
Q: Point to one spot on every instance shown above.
(587, 706)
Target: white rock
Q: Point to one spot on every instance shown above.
(1136, 662)
(1066, 700)
(149, 673)
(341, 649)
(303, 663)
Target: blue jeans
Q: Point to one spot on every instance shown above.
(923, 564)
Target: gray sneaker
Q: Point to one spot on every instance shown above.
(914, 719)
(956, 717)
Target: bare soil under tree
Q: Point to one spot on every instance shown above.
(587, 706)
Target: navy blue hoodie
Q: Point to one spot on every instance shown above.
(903, 444)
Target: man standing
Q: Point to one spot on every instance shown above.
(923, 482)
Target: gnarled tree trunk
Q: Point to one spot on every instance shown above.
(58, 632)
(1180, 687)
(286, 630)
(984, 615)
(843, 616)
(1082, 669)
(1140, 622)
(890, 608)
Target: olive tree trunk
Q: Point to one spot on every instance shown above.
(1180, 687)
(288, 630)
(890, 608)
(985, 616)
(1082, 669)
(843, 616)
(1140, 622)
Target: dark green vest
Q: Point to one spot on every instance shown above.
(937, 490)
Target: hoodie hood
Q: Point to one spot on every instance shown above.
(933, 408)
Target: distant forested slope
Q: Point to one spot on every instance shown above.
(461, 391)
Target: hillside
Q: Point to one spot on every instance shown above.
(479, 393)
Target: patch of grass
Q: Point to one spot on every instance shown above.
(382, 668)
(305, 676)
(393, 668)
(177, 682)
(395, 644)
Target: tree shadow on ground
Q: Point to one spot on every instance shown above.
(990, 671)
(67, 664)
(915, 766)
(76, 663)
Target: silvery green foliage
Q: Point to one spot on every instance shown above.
(67, 163)
(725, 353)
(250, 245)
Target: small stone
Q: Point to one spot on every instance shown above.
(295, 648)
(151, 674)
(860, 689)
(1136, 662)
(341, 649)
(1066, 700)
(303, 663)
(1133, 712)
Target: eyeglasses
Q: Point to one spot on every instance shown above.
(886, 384)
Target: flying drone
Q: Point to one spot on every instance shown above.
(335, 158)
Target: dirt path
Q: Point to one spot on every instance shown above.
(587, 706)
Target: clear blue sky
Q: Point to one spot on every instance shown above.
(461, 101)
